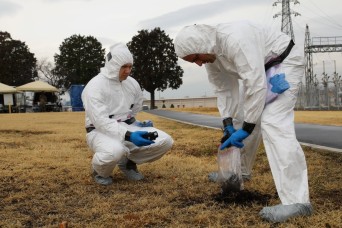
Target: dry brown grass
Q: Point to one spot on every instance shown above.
(312, 117)
(45, 179)
(200, 110)
(319, 117)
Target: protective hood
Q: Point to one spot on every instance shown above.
(117, 56)
(195, 39)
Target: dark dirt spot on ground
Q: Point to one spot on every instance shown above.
(24, 132)
(243, 197)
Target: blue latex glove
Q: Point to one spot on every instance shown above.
(145, 123)
(235, 139)
(138, 139)
(228, 131)
(279, 83)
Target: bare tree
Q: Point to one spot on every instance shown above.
(46, 71)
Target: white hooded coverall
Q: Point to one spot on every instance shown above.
(108, 102)
(242, 49)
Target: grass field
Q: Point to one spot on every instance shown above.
(45, 179)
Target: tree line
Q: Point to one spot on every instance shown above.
(81, 58)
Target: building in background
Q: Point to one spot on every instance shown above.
(183, 102)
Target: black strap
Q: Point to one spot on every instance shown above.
(280, 58)
(128, 136)
(89, 129)
(130, 121)
(109, 56)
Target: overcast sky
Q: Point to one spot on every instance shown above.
(44, 24)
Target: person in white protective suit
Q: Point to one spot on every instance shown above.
(236, 55)
(111, 101)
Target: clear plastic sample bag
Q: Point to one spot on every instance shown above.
(229, 169)
(270, 96)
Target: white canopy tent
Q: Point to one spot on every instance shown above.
(7, 89)
(37, 86)
(6, 99)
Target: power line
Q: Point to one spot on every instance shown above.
(327, 16)
(323, 19)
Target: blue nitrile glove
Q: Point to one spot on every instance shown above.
(228, 131)
(137, 138)
(145, 123)
(279, 83)
(235, 139)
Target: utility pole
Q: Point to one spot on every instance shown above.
(286, 21)
(309, 76)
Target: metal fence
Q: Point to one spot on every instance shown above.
(322, 94)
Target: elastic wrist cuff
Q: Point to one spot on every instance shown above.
(248, 127)
(128, 136)
(227, 121)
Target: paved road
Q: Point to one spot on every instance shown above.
(319, 136)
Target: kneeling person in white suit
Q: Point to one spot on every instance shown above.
(111, 101)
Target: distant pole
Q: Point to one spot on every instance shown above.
(336, 80)
(309, 76)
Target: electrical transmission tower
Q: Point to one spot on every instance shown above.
(312, 45)
(317, 45)
(286, 21)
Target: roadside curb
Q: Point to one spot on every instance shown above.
(330, 149)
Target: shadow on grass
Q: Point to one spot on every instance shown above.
(243, 197)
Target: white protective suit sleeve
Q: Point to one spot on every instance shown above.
(226, 89)
(243, 45)
(138, 100)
